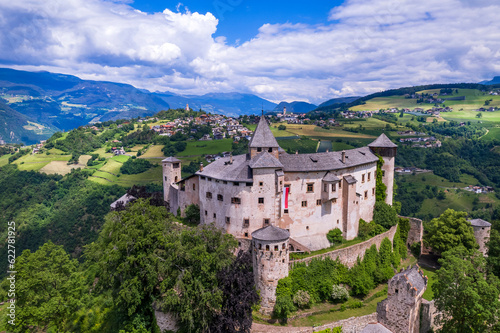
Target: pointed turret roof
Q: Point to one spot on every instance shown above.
(383, 142)
(271, 233)
(263, 137)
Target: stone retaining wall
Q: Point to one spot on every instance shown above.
(349, 255)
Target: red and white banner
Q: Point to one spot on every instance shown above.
(284, 197)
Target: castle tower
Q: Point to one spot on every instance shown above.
(400, 311)
(482, 231)
(270, 262)
(384, 147)
(263, 140)
(171, 175)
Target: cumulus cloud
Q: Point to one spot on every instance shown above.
(366, 46)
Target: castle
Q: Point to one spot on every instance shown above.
(305, 194)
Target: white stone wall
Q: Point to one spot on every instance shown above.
(482, 235)
(388, 177)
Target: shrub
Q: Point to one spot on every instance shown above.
(281, 127)
(369, 230)
(355, 304)
(339, 293)
(384, 215)
(302, 299)
(283, 307)
(192, 213)
(334, 236)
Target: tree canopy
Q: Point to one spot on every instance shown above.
(450, 230)
(465, 293)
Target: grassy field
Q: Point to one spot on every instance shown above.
(274, 129)
(60, 167)
(431, 274)
(153, 151)
(206, 147)
(385, 103)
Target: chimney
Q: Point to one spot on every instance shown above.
(343, 156)
(230, 158)
(201, 166)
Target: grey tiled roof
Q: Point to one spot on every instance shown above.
(171, 159)
(326, 161)
(238, 171)
(271, 233)
(263, 137)
(330, 177)
(350, 179)
(413, 275)
(383, 142)
(265, 160)
(480, 223)
(375, 328)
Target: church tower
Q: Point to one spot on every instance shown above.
(384, 147)
(263, 140)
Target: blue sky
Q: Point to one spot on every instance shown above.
(240, 20)
(279, 50)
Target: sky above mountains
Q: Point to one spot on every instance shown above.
(279, 50)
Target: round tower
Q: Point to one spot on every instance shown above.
(387, 149)
(482, 231)
(270, 262)
(171, 175)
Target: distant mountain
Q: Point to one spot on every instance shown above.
(16, 127)
(229, 104)
(496, 80)
(339, 100)
(295, 107)
(63, 102)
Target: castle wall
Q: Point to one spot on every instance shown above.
(482, 235)
(428, 316)
(317, 220)
(217, 211)
(188, 194)
(270, 264)
(348, 256)
(416, 232)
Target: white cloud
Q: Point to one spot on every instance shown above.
(368, 46)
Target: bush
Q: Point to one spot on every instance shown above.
(369, 230)
(385, 215)
(192, 213)
(281, 127)
(339, 293)
(335, 236)
(302, 299)
(283, 307)
(355, 304)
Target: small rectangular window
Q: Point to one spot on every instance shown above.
(373, 191)
(304, 203)
(266, 221)
(325, 187)
(259, 149)
(176, 165)
(310, 187)
(362, 178)
(209, 179)
(261, 200)
(236, 184)
(267, 249)
(369, 176)
(261, 183)
(228, 219)
(383, 173)
(215, 216)
(334, 187)
(209, 195)
(340, 183)
(206, 213)
(246, 234)
(249, 184)
(202, 177)
(285, 211)
(194, 187)
(270, 150)
(224, 182)
(318, 202)
(235, 200)
(276, 248)
(220, 197)
(246, 222)
(366, 194)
